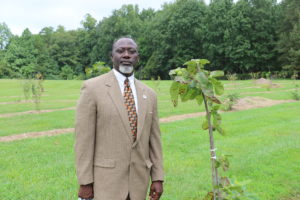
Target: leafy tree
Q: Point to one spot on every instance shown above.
(97, 69)
(5, 35)
(289, 42)
(146, 15)
(171, 37)
(87, 41)
(215, 42)
(45, 40)
(239, 37)
(123, 22)
(21, 55)
(196, 83)
(254, 34)
(29, 54)
(4, 70)
(65, 50)
(67, 72)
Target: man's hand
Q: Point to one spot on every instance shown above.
(86, 191)
(156, 190)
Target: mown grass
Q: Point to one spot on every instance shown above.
(37, 122)
(64, 94)
(264, 142)
(40, 169)
(67, 93)
(21, 107)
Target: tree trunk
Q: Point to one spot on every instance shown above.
(214, 170)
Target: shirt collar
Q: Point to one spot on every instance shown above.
(121, 78)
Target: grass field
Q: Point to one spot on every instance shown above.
(264, 142)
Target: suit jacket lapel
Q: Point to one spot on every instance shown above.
(116, 96)
(142, 105)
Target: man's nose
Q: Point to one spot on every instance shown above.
(126, 54)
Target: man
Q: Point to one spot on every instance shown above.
(118, 146)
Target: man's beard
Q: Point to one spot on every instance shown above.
(125, 69)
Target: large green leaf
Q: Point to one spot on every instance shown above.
(204, 84)
(182, 88)
(203, 61)
(191, 66)
(209, 196)
(185, 96)
(216, 119)
(199, 99)
(205, 125)
(190, 94)
(221, 130)
(214, 99)
(179, 79)
(194, 94)
(223, 161)
(174, 90)
(218, 86)
(193, 84)
(216, 107)
(203, 80)
(216, 73)
(172, 72)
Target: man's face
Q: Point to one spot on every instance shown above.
(125, 56)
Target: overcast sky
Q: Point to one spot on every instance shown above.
(37, 14)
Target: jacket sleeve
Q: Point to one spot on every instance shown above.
(156, 156)
(85, 128)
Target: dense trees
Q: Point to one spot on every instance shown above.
(173, 36)
(249, 37)
(289, 33)
(237, 37)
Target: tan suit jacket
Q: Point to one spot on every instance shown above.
(105, 152)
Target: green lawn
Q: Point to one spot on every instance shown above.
(37, 122)
(264, 142)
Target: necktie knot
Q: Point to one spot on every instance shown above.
(126, 82)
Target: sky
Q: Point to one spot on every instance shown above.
(37, 14)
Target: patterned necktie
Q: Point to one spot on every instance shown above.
(130, 106)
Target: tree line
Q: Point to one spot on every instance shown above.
(237, 37)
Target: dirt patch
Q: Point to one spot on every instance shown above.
(264, 92)
(70, 130)
(10, 97)
(263, 81)
(181, 117)
(34, 112)
(232, 84)
(256, 102)
(16, 102)
(20, 96)
(35, 134)
(266, 83)
(242, 104)
(232, 88)
(31, 101)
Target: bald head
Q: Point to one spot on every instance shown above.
(124, 39)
